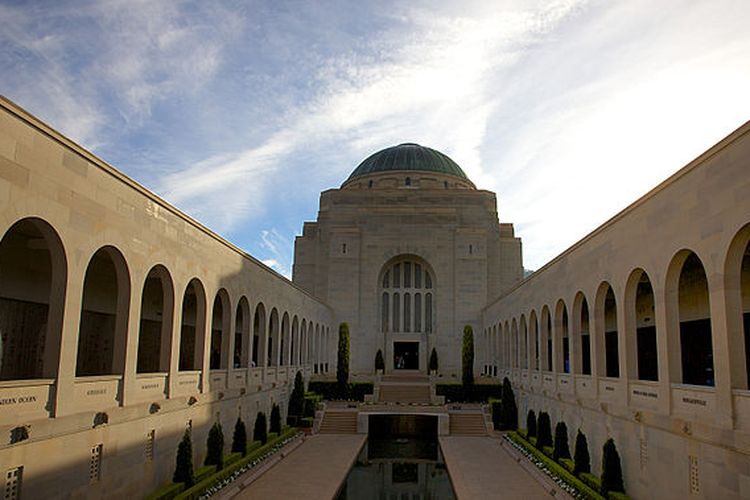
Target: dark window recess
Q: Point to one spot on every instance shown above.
(408, 181)
(343, 248)
(612, 358)
(566, 354)
(586, 354)
(697, 355)
(747, 346)
(648, 367)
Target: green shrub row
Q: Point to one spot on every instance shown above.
(458, 393)
(332, 391)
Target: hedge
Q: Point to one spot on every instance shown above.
(331, 391)
(458, 393)
(196, 491)
(556, 468)
(495, 410)
(311, 403)
(306, 422)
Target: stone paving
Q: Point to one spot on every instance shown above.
(314, 471)
(480, 468)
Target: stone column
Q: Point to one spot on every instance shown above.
(66, 366)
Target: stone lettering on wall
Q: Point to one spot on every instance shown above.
(17, 400)
(694, 401)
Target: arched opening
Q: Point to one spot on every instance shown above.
(192, 329)
(524, 344)
(737, 286)
(582, 332)
(384, 314)
(694, 316)
(562, 331)
(259, 336)
(640, 332)
(104, 315)
(608, 350)
(295, 342)
(284, 346)
(241, 354)
(547, 338)
(534, 331)
(514, 343)
(272, 351)
(220, 331)
(316, 349)
(155, 333)
(33, 274)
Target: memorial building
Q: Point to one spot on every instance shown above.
(124, 321)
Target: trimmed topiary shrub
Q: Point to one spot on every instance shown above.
(306, 422)
(495, 411)
(311, 403)
(467, 357)
(459, 393)
(331, 391)
(509, 410)
(183, 471)
(379, 362)
(260, 430)
(297, 399)
(581, 458)
(543, 431)
(611, 470)
(239, 438)
(215, 447)
(342, 367)
(433, 366)
(561, 442)
(275, 419)
(531, 424)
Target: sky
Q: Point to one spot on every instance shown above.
(241, 112)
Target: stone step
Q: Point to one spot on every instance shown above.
(404, 393)
(467, 424)
(339, 422)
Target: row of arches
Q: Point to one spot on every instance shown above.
(232, 333)
(598, 334)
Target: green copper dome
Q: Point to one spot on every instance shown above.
(408, 156)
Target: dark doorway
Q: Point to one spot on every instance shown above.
(406, 355)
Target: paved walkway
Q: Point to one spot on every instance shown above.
(315, 470)
(481, 469)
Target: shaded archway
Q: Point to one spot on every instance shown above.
(295, 350)
(562, 331)
(737, 286)
(284, 346)
(104, 315)
(546, 339)
(640, 333)
(33, 273)
(259, 336)
(688, 304)
(524, 344)
(534, 332)
(581, 335)
(514, 343)
(220, 321)
(155, 328)
(193, 326)
(272, 351)
(608, 357)
(241, 355)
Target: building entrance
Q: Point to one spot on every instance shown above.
(406, 355)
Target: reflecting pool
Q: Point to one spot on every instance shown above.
(398, 469)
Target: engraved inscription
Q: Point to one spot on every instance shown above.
(17, 400)
(694, 401)
(645, 394)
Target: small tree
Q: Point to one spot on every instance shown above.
(509, 410)
(239, 438)
(531, 424)
(379, 362)
(467, 357)
(582, 461)
(260, 431)
(183, 471)
(561, 442)
(215, 447)
(297, 399)
(543, 431)
(611, 470)
(342, 368)
(276, 419)
(433, 360)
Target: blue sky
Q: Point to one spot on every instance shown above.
(241, 113)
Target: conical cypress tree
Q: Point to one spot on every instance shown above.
(467, 357)
(215, 447)
(239, 438)
(183, 471)
(561, 442)
(581, 459)
(531, 423)
(297, 399)
(342, 366)
(275, 419)
(611, 470)
(543, 431)
(508, 410)
(433, 360)
(379, 361)
(260, 431)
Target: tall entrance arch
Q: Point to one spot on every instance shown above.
(407, 317)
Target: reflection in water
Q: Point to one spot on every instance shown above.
(398, 469)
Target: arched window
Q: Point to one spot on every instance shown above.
(409, 309)
(192, 336)
(155, 333)
(104, 315)
(33, 273)
(273, 339)
(640, 329)
(581, 335)
(417, 312)
(407, 312)
(396, 312)
(384, 312)
(428, 313)
(219, 331)
(606, 309)
(259, 335)
(241, 334)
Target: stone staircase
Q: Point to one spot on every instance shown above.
(467, 424)
(404, 393)
(339, 422)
